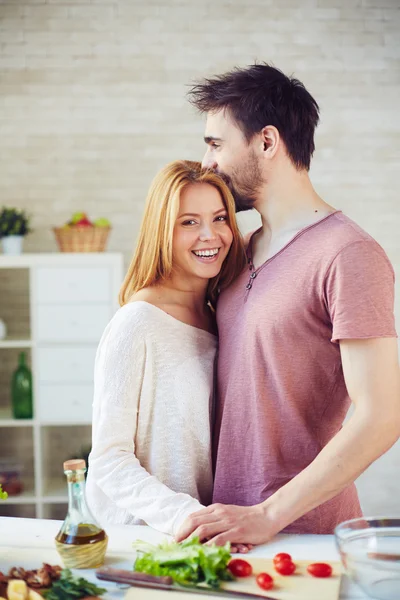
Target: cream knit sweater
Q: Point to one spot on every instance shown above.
(151, 443)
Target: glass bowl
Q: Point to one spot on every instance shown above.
(370, 552)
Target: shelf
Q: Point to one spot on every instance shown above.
(26, 497)
(65, 423)
(6, 420)
(16, 343)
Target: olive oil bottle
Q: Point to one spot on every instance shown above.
(81, 542)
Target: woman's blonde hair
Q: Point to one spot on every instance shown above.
(152, 261)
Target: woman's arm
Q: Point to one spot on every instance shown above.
(119, 372)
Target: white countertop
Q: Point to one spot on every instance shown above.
(29, 542)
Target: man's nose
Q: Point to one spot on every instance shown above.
(208, 162)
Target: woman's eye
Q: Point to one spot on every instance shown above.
(222, 218)
(189, 222)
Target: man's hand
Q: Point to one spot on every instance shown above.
(221, 523)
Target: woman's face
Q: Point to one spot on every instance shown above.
(202, 235)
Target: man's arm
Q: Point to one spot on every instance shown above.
(372, 376)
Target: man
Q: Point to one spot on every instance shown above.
(304, 331)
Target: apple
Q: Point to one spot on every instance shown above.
(102, 222)
(84, 222)
(78, 216)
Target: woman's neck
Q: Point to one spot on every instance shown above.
(178, 291)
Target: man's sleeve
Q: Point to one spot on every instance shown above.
(359, 293)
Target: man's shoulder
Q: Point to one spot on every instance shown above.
(341, 232)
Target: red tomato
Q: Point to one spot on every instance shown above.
(320, 570)
(285, 567)
(281, 556)
(240, 567)
(265, 581)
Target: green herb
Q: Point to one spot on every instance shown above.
(3, 495)
(13, 221)
(69, 587)
(188, 563)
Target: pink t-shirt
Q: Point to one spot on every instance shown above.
(281, 391)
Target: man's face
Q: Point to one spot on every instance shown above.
(235, 160)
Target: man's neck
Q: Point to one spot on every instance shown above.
(289, 203)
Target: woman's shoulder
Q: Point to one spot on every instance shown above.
(133, 318)
(156, 302)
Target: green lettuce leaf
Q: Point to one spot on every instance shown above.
(188, 563)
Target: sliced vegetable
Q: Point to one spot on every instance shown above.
(188, 563)
(320, 570)
(17, 590)
(265, 581)
(240, 568)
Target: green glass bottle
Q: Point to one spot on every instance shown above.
(21, 390)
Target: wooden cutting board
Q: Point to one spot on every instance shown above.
(299, 586)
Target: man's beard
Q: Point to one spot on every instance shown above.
(244, 183)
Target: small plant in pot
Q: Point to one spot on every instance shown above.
(14, 225)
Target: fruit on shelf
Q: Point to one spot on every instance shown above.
(76, 217)
(102, 222)
(80, 219)
(83, 223)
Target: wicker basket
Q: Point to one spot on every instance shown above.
(82, 239)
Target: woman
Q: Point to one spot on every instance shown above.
(151, 453)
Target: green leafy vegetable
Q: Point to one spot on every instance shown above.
(3, 495)
(188, 563)
(69, 587)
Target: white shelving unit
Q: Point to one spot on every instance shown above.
(70, 299)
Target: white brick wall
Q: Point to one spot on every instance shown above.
(92, 105)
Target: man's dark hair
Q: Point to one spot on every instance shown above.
(262, 95)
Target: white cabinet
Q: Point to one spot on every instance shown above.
(63, 364)
(69, 300)
(71, 285)
(65, 403)
(69, 323)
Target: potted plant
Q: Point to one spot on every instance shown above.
(14, 225)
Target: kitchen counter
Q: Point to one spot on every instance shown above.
(29, 542)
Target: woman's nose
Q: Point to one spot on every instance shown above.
(207, 233)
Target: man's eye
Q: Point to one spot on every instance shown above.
(214, 146)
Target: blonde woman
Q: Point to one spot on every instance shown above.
(151, 453)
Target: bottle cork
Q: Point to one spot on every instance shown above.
(74, 464)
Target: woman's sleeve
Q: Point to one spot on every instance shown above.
(119, 372)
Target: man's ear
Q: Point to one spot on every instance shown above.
(270, 139)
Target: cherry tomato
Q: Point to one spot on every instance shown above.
(240, 567)
(320, 570)
(281, 556)
(285, 567)
(265, 581)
